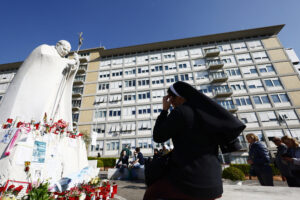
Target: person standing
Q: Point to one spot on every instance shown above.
(292, 157)
(260, 160)
(197, 126)
(280, 164)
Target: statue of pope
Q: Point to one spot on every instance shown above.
(43, 84)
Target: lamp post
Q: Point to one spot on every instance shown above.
(282, 118)
(96, 103)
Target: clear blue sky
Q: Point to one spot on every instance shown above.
(26, 24)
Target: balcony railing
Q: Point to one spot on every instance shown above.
(224, 92)
(82, 69)
(214, 64)
(211, 52)
(77, 92)
(79, 81)
(218, 77)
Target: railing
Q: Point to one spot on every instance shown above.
(222, 92)
(218, 76)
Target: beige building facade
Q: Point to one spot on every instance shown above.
(117, 93)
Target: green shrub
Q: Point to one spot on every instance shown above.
(245, 168)
(104, 162)
(233, 174)
(275, 170)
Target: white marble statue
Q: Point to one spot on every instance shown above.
(42, 84)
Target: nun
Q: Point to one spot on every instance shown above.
(198, 126)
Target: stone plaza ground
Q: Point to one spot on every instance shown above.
(249, 190)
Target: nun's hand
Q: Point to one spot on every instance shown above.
(166, 102)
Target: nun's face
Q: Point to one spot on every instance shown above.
(176, 101)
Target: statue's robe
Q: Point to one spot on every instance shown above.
(37, 87)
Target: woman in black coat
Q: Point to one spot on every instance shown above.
(197, 126)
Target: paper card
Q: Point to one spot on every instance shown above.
(39, 152)
(23, 153)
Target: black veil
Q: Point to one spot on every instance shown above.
(215, 120)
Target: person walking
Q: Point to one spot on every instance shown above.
(197, 126)
(259, 158)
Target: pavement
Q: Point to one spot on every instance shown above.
(249, 190)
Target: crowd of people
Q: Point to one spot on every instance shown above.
(287, 160)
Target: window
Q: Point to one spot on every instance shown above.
(130, 83)
(274, 82)
(243, 101)
(182, 54)
(129, 71)
(115, 98)
(249, 119)
(260, 56)
(144, 125)
(249, 71)
(143, 82)
(100, 100)
(142, 110)
(142, 59)
(202, 75)
(170, 67)
(244, 58)
(104, 75)
(186, 77)
(205, 89)
(143, 70)
(280, 98)
(239, 47)
(100, 113)
(129, 61)
(75, 117)
(144, 95)
(288, 114)
(184, 66)
(155, 58)
(129, 142)
(112, 145)
(115, 85)
(157, 80)
(196, 52)
(158, 94)
(128, 128)
(157, 108)
(238, 87)
(171, 79)
(76, 90)
(227, 104)
(129, 97)
(254, 45)
(255, 85)
(268, 118)
(262, 99)
(100, 128)
(114, 112)
(169, 56)
(233, 73)
(228, 60)
(144, 143)
(225, 48)
(156, 68)
(295, 133)
(128, 112)
(266, 69)
(75, 103)
(80, 78)
(198, 63)
(114, 129)
(117, 73)
(103, 86)
(117, 62)
(5, 77)
(105, 63)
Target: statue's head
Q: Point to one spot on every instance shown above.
(63, 47)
